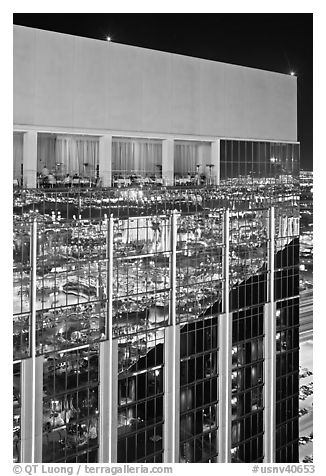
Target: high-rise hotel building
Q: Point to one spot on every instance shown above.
(156, 225)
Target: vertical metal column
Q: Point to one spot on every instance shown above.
(226, 261)
(109, 278)
(271, 253)
(32, 376)
(172, 361)
(30, 159)
(215, 160)
(270, 351)
(173, 267)
(225, 357)
(108, 368)
(108, 401)
(168, 161)
(105, 160)
(33, 254)
(113, 348)
(31, 410)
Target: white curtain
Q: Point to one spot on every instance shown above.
(185, 158)
(187, 155)
(75, 155)
(136, 156)
(46, 152)
(66, 154)
(123, 157)
(17, 155)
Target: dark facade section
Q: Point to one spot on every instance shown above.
(287, 381)
(199, 391)
(140, 409)
(287, 353)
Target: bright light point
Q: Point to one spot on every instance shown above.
(292, 73)
(108, 38)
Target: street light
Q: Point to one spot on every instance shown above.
(108, 38)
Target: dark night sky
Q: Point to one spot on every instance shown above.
(275, 42)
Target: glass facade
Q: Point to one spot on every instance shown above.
(247, 385)
(199, 391)
(79, 290)
(199, 256)
(287, 380)
(16, 411)
(140, 398)
(70, 406)
(262, 174)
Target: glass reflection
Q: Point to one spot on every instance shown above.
(70, 403)
(16, 411)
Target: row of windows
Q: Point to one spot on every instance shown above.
(199, 337)
(287, 409)
(143, 446)
(246, 428)
(70, 418)
(138, 387)
(287, 362)
(199, 421)
(287, 313)
(247, 352)
(66, 443)
(245, 256)
(137, 160)
(198, 403)
(197, 300)
(196, 396)
(137, 416)
(287, 339)
(255, 151)
(286, 283)
(82, 430)
(289, 258)
(140, 396)
(100, 204)
(202, 449)
(288, 454)
(135, 279)
(246, 377)
(199, 265)
(287, 386)
(70, 370)
(199, 368)
(141, 352)
(252, 292)
(248, 452)
(247, 324)
(70, 424)
(247, 402)
(73, 298)
(286, 433)
(249, 171)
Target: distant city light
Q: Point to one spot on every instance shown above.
(292, 73)
(108, 38)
